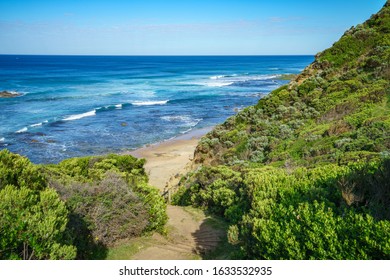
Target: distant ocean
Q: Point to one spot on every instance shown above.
(89, 105)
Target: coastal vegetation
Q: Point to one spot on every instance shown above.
(74, 209)
(305, 173)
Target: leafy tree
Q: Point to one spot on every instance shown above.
(20, 172)
(32, 225)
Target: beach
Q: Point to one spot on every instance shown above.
(165, 161)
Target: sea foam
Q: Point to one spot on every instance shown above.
(222, 76)
(175, 118)
(234, 79)
(80, 116)
(218, 84)
(186, 120)
(24, 129)
(36, 124)
(149, 103)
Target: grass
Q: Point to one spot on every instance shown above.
(126, 249)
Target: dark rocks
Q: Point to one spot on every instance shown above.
(8, 94)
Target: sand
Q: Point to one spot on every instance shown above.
(189, 233)
(165, 161)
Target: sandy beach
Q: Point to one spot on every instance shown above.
(166, 160)
(189, 233)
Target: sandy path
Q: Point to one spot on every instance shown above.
(189, 233)
(166, 160)
(190, 236)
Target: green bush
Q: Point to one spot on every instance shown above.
(327, 212)
(109, 197)
(315, 231)
(32, 225)
(112, 210)
(20, 172)
(92, 203)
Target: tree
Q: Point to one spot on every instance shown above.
(32, 225)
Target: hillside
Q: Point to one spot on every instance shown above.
(305, 173)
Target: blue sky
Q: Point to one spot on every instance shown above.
(170, 27)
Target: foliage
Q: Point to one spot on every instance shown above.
(89, 169)
(328, 212)
(20, 172)
(110, 208)
(32, 225)
(91, 203)
(214, 188)
(303, 174)
(109, 199)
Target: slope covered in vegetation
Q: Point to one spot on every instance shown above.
(305, 173)
(74, 209)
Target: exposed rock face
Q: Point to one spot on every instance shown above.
(8, 94)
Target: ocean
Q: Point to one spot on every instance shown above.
(74, 106)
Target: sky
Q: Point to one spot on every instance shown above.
(177, 27)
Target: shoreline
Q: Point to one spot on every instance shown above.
(166, 160)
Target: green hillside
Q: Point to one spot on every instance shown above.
(305, 174)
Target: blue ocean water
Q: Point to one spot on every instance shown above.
(88, 105)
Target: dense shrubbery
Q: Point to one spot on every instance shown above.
(110, 195)
(306, 175)
(33, 219)
(329, 212)
(80, 204)
(19, 172)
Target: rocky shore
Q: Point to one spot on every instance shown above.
(8, 94)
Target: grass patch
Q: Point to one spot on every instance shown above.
(126, 249)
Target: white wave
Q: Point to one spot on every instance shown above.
(2, 139)
(186, 120)
(24, 129)
(218, 84)
(36, 124)
(228, 80)
(213, 83)
(176, 118)
(118, 106)
(216, 77)
(149, 103)
(222, 76)
(260, 77)
(193, 124)
(80, 116)
(186, 131)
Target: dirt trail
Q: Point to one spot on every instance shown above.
(189, 237)
(190, 232)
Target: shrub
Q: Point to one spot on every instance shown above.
(32, 225)
(20, 172)
(109, 199)
(111, 209)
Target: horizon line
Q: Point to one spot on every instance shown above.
(5, 54)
